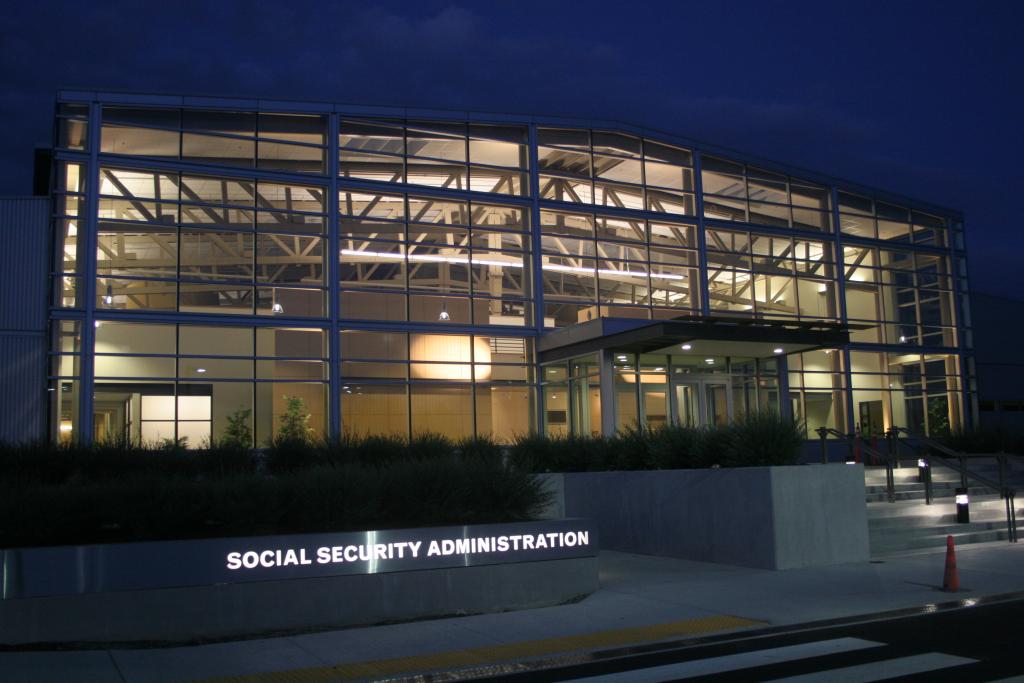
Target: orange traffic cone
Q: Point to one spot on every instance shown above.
(951, 581)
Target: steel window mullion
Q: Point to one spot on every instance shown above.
(87, 272)
(702, 247)
(537, 298)
(839, 259)
(332, 275)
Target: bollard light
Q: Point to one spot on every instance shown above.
(963, 509)
(922, 469)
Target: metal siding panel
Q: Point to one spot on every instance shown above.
(23, 391)
(24, 263)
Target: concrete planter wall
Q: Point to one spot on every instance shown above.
(182, 590)
(766, 517)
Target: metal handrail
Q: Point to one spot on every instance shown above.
(1008, 493)
(851, 442)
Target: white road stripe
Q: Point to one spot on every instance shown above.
(882, 670)
(742, 660)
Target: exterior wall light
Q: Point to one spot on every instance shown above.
(709, 361)
(963, 509)
(200, 370)
(777, 350)
(686, 347)
(443, 315)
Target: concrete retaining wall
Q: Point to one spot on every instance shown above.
(766, 517)
(200, 589)
(229, 610)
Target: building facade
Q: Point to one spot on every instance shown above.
(383, 270)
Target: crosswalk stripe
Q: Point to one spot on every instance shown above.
(742, 660)
(881, 670)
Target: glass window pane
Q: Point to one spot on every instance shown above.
(444, 410)
(121, 250)
(568, 138)
(223, 151)
(215, 298)
(372, 306)
(295, 158)
(616, 143)
(563, 161)
(148, 142)
(304, 128)
(375, 409)
(445, 141)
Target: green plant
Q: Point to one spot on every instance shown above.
(427, 445)
(174, 445)
(237, 433)
(294, 425)
(479, 448)
(147, 506)
(674, 447)
(763, 439)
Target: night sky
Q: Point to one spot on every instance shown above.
(920, 98)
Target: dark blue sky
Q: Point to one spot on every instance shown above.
(921, 98)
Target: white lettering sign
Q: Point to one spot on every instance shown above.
(368, 553)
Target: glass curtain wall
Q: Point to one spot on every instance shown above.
(221, 220)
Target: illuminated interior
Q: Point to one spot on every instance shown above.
(224, 275)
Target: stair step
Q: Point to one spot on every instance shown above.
(909, 524)
(937, 540)
(979, 504)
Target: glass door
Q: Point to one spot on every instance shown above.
(703, 402)
(688, 404)
(717, 403)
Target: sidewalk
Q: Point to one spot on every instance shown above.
(642, 599)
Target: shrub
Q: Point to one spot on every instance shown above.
(674, 447)
(429, 445)
(426, 492)
(561, 453)
(372, 449)
(763, 439)
(292, 454)
(628, 450)
(473, 448)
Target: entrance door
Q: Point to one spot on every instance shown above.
(703, 402)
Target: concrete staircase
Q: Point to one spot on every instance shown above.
(910, 524)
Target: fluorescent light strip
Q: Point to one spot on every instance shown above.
(430, 258)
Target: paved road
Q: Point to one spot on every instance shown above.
(977, 643)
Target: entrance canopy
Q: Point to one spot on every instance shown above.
(721, 336)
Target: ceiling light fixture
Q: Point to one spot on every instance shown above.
(687, 347)
(709, 361)
(777, 350)
(200, 370)
(443, 315)
(108, 298)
